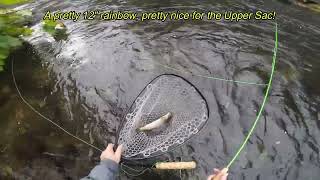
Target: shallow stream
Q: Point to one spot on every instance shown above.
(87, 82)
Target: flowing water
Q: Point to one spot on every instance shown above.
(87, 81)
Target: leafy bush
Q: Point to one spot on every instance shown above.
(12, 27)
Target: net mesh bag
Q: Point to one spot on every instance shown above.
(165, 94)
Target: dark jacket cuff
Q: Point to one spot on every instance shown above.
(110, 164)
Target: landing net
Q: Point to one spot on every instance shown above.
(165, 94)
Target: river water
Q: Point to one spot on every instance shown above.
(87, 82)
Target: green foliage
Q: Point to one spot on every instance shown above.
(55, 28)
(12, 27)
(49, 26)
(12, 2)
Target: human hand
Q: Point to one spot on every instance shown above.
(108, 153)
(219, 174)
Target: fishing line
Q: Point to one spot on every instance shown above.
(137, 172)
(211, 77)
(264, 99)
(44, 117)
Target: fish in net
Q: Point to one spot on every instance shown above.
(169, 111)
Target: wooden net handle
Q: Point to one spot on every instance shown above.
(176, 165)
